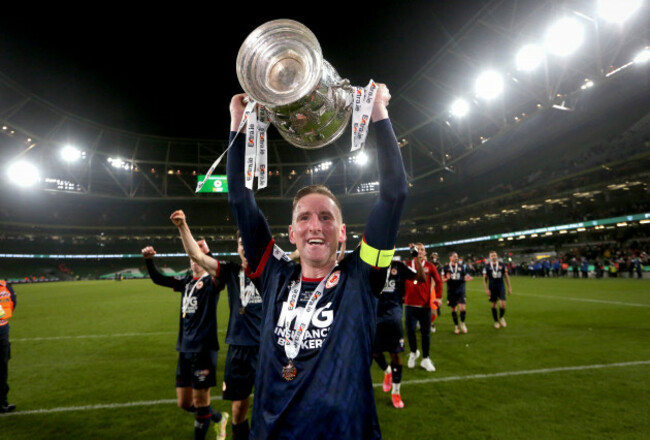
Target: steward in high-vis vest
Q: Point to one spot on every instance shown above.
(7, 306)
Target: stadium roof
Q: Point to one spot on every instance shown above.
(150, 92)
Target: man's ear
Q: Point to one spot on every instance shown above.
(292, 239)
(342, 234)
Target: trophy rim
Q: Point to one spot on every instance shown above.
(248, 50)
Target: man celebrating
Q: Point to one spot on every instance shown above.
(390, 336)
(418, 302)
(319, 316)
(494, 273)
(197, 343)
(455, 275)
(243, 336)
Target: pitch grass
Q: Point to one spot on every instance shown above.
(124, 333)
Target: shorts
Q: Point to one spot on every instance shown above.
(455, 298)
(389, 337)
(497, 292)
(239, 375)
(196, 370)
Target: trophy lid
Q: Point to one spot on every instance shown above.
(279, 62)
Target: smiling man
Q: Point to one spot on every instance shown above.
(319, 316)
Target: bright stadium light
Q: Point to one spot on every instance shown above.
(489, 85)
(564, 37)
(362, 159)
(643, 56)
(459, 108)
(529, 57)
(23, 174)
(618, 10)
(70, 153)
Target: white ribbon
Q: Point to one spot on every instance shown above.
(249, 108)
(250, 149)
(188, 295)
(364, 99)
(292, 346)
(261, 170)
(244, 294)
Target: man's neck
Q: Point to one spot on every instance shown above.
(309, 271)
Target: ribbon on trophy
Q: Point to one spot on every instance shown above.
(251, 108)
(364, 99)
(256, 157)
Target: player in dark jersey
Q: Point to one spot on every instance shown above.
(243, 336)
(390, 336)
(455, 275)
(197, 343)
(494, 274)
(319, 316)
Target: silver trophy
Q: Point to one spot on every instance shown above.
(280, 65)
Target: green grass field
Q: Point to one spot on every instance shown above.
(97, 360)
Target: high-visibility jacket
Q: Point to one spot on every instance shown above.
(6, 303)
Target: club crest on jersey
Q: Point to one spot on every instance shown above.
(425, 269)
(333, 280)
(199, 285)
(393, 271)
(201, 375)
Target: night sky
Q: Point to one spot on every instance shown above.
(171, 71)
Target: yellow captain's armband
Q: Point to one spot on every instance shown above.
(376, 257)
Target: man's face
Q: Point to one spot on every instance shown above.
(316, 229)
(494, 257)
(453, 258)
(422, 252)
(240, 251)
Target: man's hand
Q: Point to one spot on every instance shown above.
(148, 252)
(178, 218)
(203, 245)
(487, 291)
(237, 107)
(382, 97)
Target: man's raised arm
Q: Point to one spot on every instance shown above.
(158, 278)
(252, 224)
(209, 264)
(381, 229)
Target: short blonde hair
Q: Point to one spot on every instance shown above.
(315, 189)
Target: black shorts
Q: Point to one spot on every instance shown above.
(239, 375)
(497, 292)
(456, 297)
(389, 337)
(196, 370)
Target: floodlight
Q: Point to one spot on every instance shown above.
(70, 153)
(489, 85)
(23, 174)
(529, 57)
(362, 158)
(643, 56)
(459, 108)
(618, 10)
(564, 37)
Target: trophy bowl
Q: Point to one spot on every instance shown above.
(280, 65)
